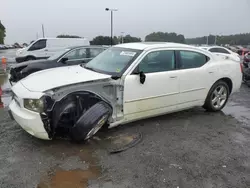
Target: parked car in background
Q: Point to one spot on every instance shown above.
(219, 50)
(243, 51)
(246, 69)
(232, 48)
(247, 58)
(125, 83)
(45, 47)
(67, 57)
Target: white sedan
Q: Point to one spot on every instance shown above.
(221, 51)
(125, 83)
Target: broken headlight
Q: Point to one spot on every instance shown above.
(36, 105)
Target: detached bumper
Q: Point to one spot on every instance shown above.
(30, 121)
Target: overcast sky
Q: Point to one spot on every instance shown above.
(87, 18)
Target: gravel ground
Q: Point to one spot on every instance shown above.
(188, 149)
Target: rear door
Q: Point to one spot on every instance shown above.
(195, 77)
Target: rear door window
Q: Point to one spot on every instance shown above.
(38, 45)
(190, 59)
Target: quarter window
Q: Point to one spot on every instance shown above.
(79, 53)
(158, 61)
(219, 50)
(40, 44)
(189, 59)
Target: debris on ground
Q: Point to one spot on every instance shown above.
(124, 142)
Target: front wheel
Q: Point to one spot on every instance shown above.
(91, 121)
(217, 97)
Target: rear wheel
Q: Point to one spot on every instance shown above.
(217, 97)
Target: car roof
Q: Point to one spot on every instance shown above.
(152, 45)
(216, 47)
(87, 46)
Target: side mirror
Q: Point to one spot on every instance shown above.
(141, 74)
(64, 59)
(142, 77)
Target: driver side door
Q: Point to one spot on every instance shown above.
(159, 93)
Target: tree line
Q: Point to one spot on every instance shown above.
(152, 37)
(2, 33)
(238, 39)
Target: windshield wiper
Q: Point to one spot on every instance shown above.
(115, 77)
(84, 66)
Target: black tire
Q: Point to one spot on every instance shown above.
(208, 102)
(95, 117)
(30, 58)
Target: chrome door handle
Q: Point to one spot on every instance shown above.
(173, 77)
(46, 50)
(210, 72)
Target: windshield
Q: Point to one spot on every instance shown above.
(58, 54)
(113, 61)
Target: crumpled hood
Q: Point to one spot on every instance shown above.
(57, 77)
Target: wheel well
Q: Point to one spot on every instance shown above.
(30, 56)
(229, 83)
(72, 98)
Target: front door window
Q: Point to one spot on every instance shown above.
(158, 61)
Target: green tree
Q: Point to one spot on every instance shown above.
(2, 33)
(103, 40)
(165, 37)
(68, 36)
(211, 39)
(128, 38)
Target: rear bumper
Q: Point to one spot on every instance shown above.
(30, 121)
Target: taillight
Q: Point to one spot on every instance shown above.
(241, 67)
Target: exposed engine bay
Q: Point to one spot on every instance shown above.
(65, 106)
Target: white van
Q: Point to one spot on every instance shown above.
(43, 48)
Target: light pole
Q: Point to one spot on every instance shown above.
(111, 32)
(122, 37)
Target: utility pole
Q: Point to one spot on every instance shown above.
(215, 40)
(122, 36)
(43, 30)
(111, 19)
(207, 40)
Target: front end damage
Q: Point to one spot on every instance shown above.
(66, 106)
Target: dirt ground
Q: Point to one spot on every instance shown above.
(189, 149)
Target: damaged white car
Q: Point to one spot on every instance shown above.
(125, 83)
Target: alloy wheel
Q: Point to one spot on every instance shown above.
(219, 96)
